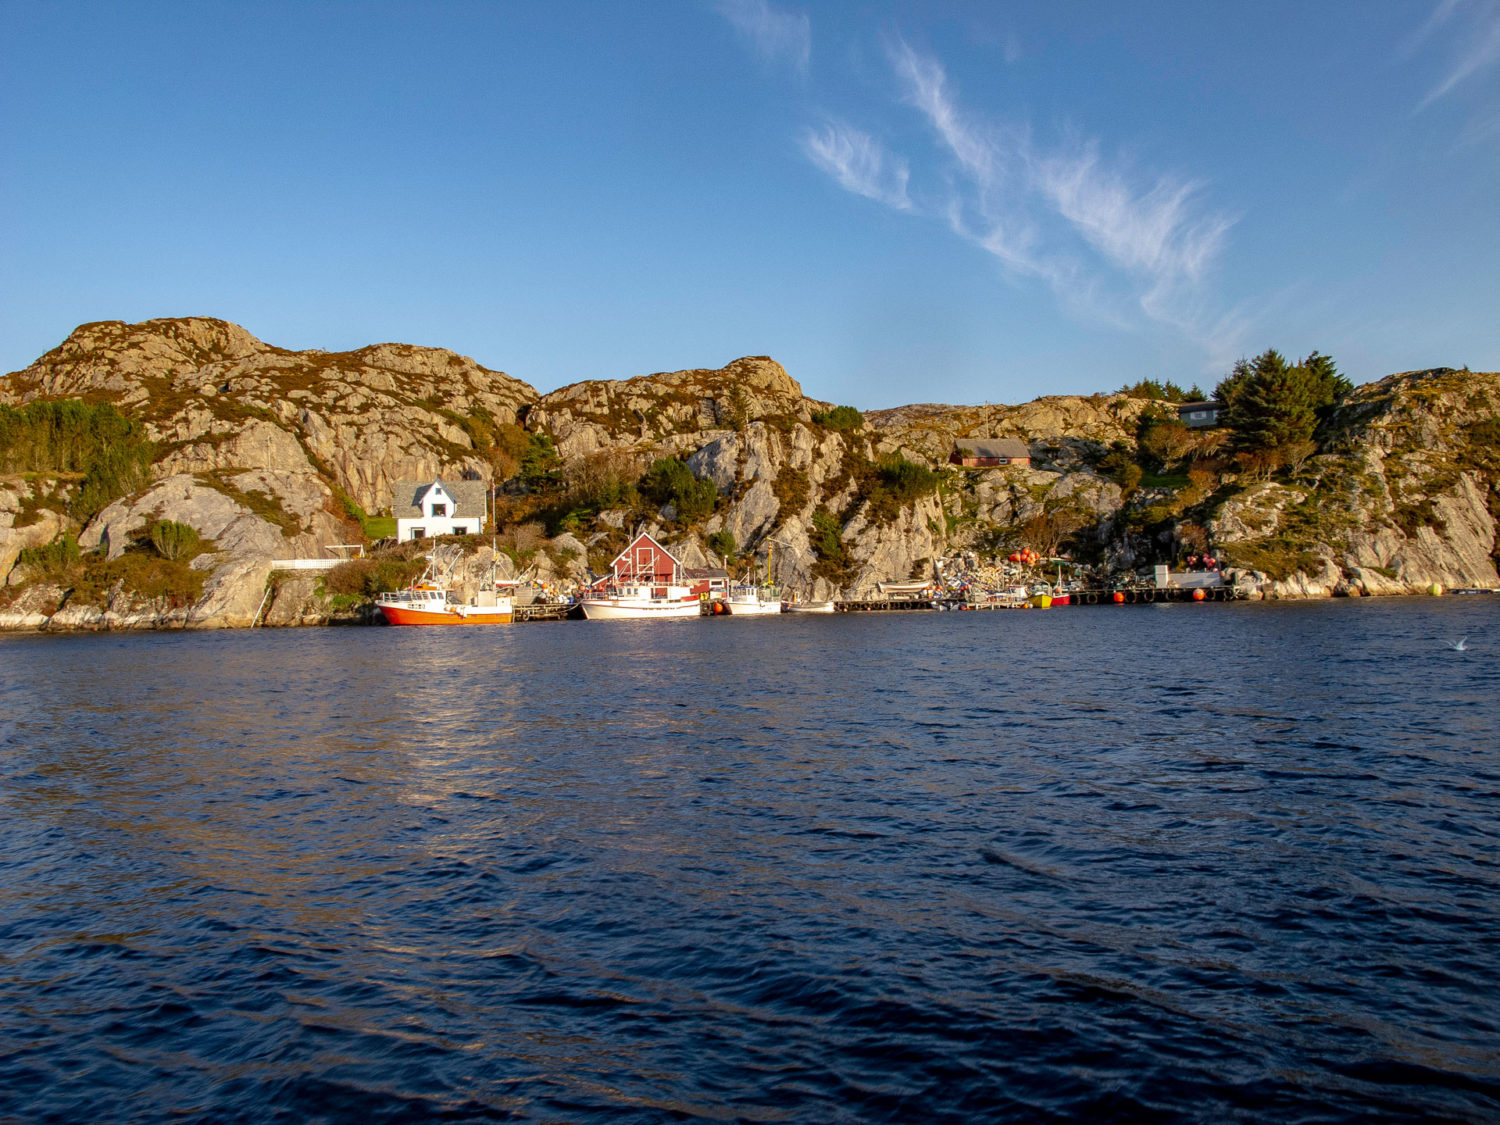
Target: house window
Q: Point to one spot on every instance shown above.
(419, 533)
(439, 510)
(459, 531)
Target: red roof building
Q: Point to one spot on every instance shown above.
(645, 563)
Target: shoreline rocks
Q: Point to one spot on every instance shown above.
(268, 454)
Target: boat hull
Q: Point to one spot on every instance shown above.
(450, 615)
(808, 607)
(751, 609)
(617, 611)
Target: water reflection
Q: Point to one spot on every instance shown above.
(1231, 863)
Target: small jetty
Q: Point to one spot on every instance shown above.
(974, 590)
(884, 605)
(1104, 595)
(544, 611)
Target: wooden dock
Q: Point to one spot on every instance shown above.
(884, 605)
(1139, 595)
(544, 611)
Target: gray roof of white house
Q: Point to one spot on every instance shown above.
(992, 447)
(468, 498)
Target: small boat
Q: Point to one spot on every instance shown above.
(807, 607)
(746, 600)
(619, 603)
(430, 601)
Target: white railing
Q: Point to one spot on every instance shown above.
(322, 564)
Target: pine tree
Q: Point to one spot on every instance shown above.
(1270, 403)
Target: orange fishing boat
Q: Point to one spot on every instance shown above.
(430, 601)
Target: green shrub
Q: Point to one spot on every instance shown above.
(351, 507)
(72, 436)
(833, 561)
(364, 578)
(842, 418)
(53, 560)
(892, 484)
(173, 540)
(906, 480)
(540, 467)
(605, 479)
(1120, 466)
(722, 544)
(791, 488)
(1274, 557)
(670, 481)
(1170, 391)
(143, 574)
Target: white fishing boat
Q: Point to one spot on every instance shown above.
(617, 603)
(644, 582)
(747, 600)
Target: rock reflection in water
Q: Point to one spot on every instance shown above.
(1209, 862)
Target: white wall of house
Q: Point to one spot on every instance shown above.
(437, 518)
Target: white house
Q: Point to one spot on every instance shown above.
(424, 510)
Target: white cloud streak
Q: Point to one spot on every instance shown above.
(1477, 31)
(1110, 246)
(776, 35)
(859, 163)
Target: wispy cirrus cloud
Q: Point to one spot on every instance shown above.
(859, 163)
(1472, 29)
(777, 35)
(1106, 241)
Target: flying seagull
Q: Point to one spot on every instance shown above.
(1459, 645)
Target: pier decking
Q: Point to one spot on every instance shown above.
(1124, 596)
(544, 611)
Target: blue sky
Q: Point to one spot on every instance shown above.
(901, 202)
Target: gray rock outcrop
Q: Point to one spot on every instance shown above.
(269, 453)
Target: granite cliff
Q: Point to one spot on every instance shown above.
(267, 453)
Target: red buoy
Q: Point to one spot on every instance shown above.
(1119, 597)
(1199, 595)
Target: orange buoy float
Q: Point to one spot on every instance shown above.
(1119, 597)
(1199, 595)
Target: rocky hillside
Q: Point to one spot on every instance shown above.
(216, 398)
(1404, 495)
(266, 453)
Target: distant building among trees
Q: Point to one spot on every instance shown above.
(1198, 414)
(987, 453)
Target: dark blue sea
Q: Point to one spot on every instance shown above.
(1183, 863)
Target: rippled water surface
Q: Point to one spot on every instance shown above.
(1201, 863)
